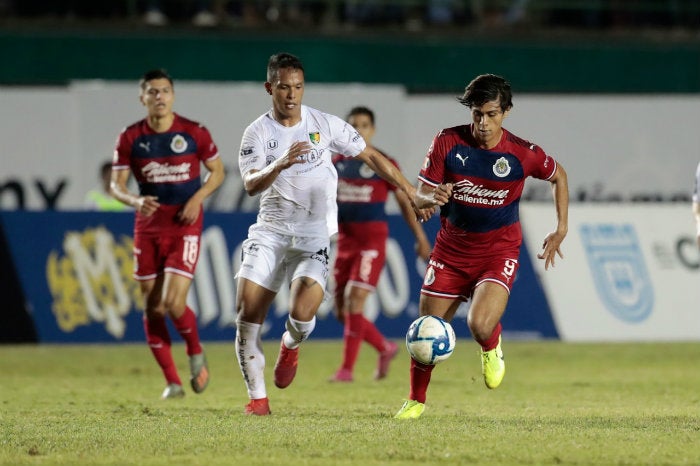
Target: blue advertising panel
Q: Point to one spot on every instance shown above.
(75, 270)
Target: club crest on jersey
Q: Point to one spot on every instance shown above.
(315, 137)
(501, 168)
(272, 144)
(178, 144)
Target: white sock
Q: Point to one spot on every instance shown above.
(251, 359)
(297, 331)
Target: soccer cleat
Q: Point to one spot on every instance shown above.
(259, 407)
(199, 371)
(411, 409)
(385, 358)
(286, 366)
(493, 366)
(173, 390)
(343, 375)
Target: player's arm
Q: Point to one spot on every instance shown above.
(217, 173)
(430, 197)
(552, 242)
(387, 170)
(145, 205)
(696, 212)
(257, 181)
(422, 243)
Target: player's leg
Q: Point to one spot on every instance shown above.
(180, 263)
(444, 307)
(306, 295)
(252, 302)
(259, 279)
(175, 289)
(158, 337)
(488, 304)
(307, 273)
(353, 303)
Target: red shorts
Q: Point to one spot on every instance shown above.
(359, 261)
(445, 280)
(154, 255)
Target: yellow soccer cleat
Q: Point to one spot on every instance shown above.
(411, 409)
(493, 366)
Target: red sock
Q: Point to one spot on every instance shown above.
(420, 379)
(186, 326)
(492, 342)
(373, 336)
(158, 340)
(352, 336)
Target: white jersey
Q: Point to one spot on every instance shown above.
(302, 199)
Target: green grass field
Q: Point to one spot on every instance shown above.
(560, 404)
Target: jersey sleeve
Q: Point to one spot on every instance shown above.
(122, 152)
(251, 155)
(206, 145)
(433, 170)
(345, 139)
(543, 166)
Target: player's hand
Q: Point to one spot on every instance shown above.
(442, 194)
(551, 247)
(295, 154)
(190, 212)
(147, 205)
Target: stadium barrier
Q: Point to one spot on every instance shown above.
(630, 272)
(75, 271)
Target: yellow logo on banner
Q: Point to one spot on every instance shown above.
(91, 281)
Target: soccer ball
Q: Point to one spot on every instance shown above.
(430, 340)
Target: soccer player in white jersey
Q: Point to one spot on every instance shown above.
(285, 156)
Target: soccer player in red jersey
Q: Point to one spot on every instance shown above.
(476, 173)
(164, 152)
(696, 202)
(361, 248)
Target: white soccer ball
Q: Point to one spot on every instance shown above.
(430, 340)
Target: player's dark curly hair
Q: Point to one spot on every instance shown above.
(159, 73)
(282, 60)
(360, 110)
(486, 88)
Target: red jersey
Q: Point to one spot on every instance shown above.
(482, 216)
(166, 165)
(362, 195)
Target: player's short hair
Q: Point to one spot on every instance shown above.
(282, 60)
(158, 73)
(487, 88)
(360, 110)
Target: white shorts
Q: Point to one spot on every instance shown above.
(269, 258)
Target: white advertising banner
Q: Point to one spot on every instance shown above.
(630, 272)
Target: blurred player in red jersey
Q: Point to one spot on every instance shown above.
(164, 152)
(696, 202)
(476, 173)
(361, 248)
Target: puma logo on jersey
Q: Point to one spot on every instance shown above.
(462, 159)
(146, 146)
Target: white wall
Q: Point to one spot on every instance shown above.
(610, 145)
